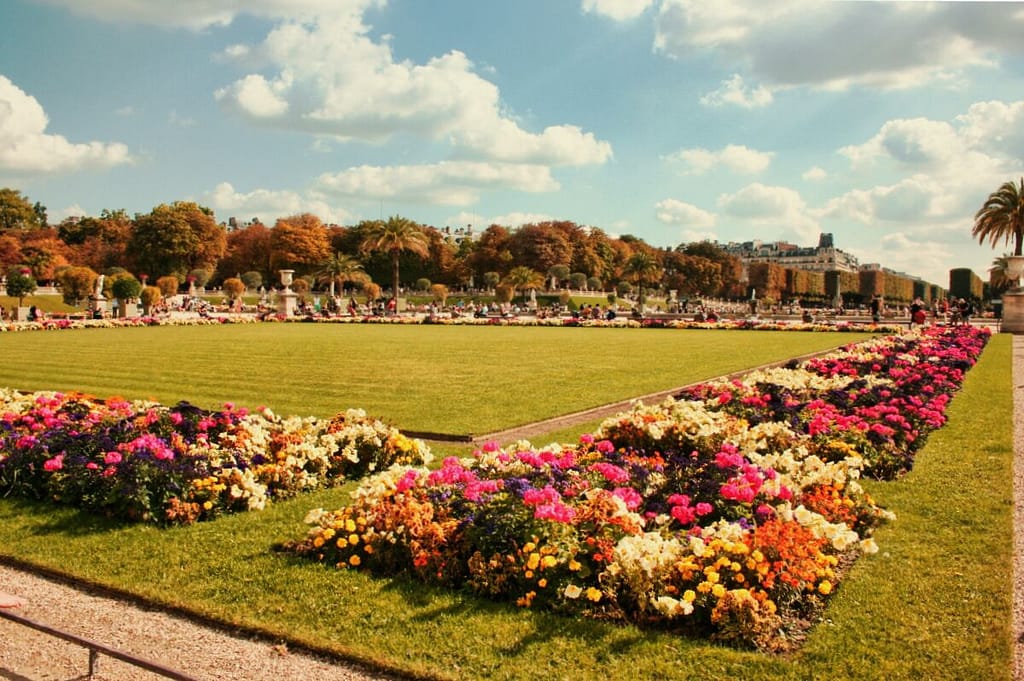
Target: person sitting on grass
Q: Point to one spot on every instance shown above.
(10, 601)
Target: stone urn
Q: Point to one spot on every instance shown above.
(1013, 300)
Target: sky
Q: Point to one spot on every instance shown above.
(886, 124)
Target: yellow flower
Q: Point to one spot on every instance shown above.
(593, 594)
(542, 583)
(318, 542)
(825, 588)
(528, 574)
(574, 565)
(533, 561)
(718, 591)
(353, 539)
(207, 505)
(529, 546)
(350, 525)
(689, 596)
(354, 560)
(549, 562)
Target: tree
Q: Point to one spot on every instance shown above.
(491, 279)
(16, 212)
(177, 238)
(393, 237)
(340, 268)
(642, 267)
(248, 250)
(233, 288)
(20, 283)
(168, 285)
(439, 292)
(1001, 218)
(423, 284)
(76, 283)
(300, 243)
(150, 296)
(523, 278)
(124, 287)
(252, 279)
(558, 274)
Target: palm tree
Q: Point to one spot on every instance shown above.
(1002, 217)
(392, 237)
(642, 267)
(999, 277)
(524, 278)
(340, 268)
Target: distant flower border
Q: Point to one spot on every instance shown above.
(403, 320)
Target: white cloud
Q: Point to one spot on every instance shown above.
(456, 183)
(774, 206)
(26, 147)
(333, 79)
(269, 204)
(791, 43)
(676, 212)
(72, 211)
(735, 157)
(734, 92)
(814, 174)
(619, 10)
(947, 168)
(199, 14)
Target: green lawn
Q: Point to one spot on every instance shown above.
(935, 603)
(457, 380)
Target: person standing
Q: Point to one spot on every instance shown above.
(876, 308)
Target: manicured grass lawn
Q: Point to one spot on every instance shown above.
(935, 603)
(458, 380)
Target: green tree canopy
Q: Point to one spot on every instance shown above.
(17, 213)
(1001, 218)
(176, 238)
(393, 237)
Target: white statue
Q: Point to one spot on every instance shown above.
(99, 287)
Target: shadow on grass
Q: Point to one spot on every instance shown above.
(60, 519)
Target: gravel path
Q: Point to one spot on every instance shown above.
(210, 654)
(171, 641)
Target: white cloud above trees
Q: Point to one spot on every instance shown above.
(26, 148)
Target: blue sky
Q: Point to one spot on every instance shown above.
(886, 124)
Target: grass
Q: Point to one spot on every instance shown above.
(46, 303)
(457, 380)
(934, 603)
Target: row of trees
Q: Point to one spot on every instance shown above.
(184, 241)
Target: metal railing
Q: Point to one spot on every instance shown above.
(95, 649)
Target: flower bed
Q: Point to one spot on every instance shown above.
(619, 323)
(143, 461)
(681, 514)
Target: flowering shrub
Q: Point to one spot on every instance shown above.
(147, 462)
(728, 514)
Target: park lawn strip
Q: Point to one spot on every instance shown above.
(934, 603)
(438, 379)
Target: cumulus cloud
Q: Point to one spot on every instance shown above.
(456, 183)
(814, 174)
(735, 157)
(199, 14)
(333, 79)
(270, 204)
(735, 92)
(26, 147)
(676, 212)
(619, 10)
(793, 43)
(947, 167)
(775, 206)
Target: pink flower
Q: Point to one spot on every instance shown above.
(605, 447)
(587, 439)
(112, 458)
(630, 496)
(54, 464)
(610, 472)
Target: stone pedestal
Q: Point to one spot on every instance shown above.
(286, 302)
(1013, 312)
(97, 306)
